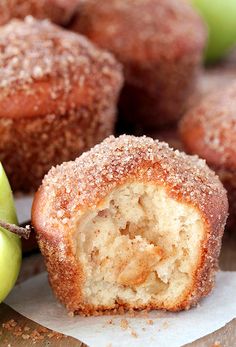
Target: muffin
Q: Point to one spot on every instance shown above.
(131, 224)
(160, 44)
(58, 97)
(209, 130)
(58, 11)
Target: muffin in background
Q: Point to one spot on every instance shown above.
(159, 42)
(58, 98)
(209, 130)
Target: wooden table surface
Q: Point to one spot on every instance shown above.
(25, 328)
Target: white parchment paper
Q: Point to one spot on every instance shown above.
(35, 300)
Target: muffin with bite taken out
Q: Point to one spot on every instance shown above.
(130, 224)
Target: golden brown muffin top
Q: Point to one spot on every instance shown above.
(40, 59)
(85, 182)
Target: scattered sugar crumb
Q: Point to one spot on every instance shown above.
(165, 325)
(150, 322)
(124, 324)
(110, 321)
(134, 334)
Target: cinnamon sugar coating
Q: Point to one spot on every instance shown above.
(58, 11)
(113, 161)
(45, 70)
(160, 44)
(58, 96)
(84, 183)
(209, 130)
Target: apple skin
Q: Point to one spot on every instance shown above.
(220, 16)
(10, 244)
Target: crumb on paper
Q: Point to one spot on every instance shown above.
(134, 334)
(124, 324)
(25, 336)
(150, 322)
(110, 321)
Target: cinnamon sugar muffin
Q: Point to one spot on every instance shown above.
(209, 130)
(130, 224)
(58, 11)
(159, 42)
(58, 96)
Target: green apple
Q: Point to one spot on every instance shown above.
(10, 244)
(220, 15)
